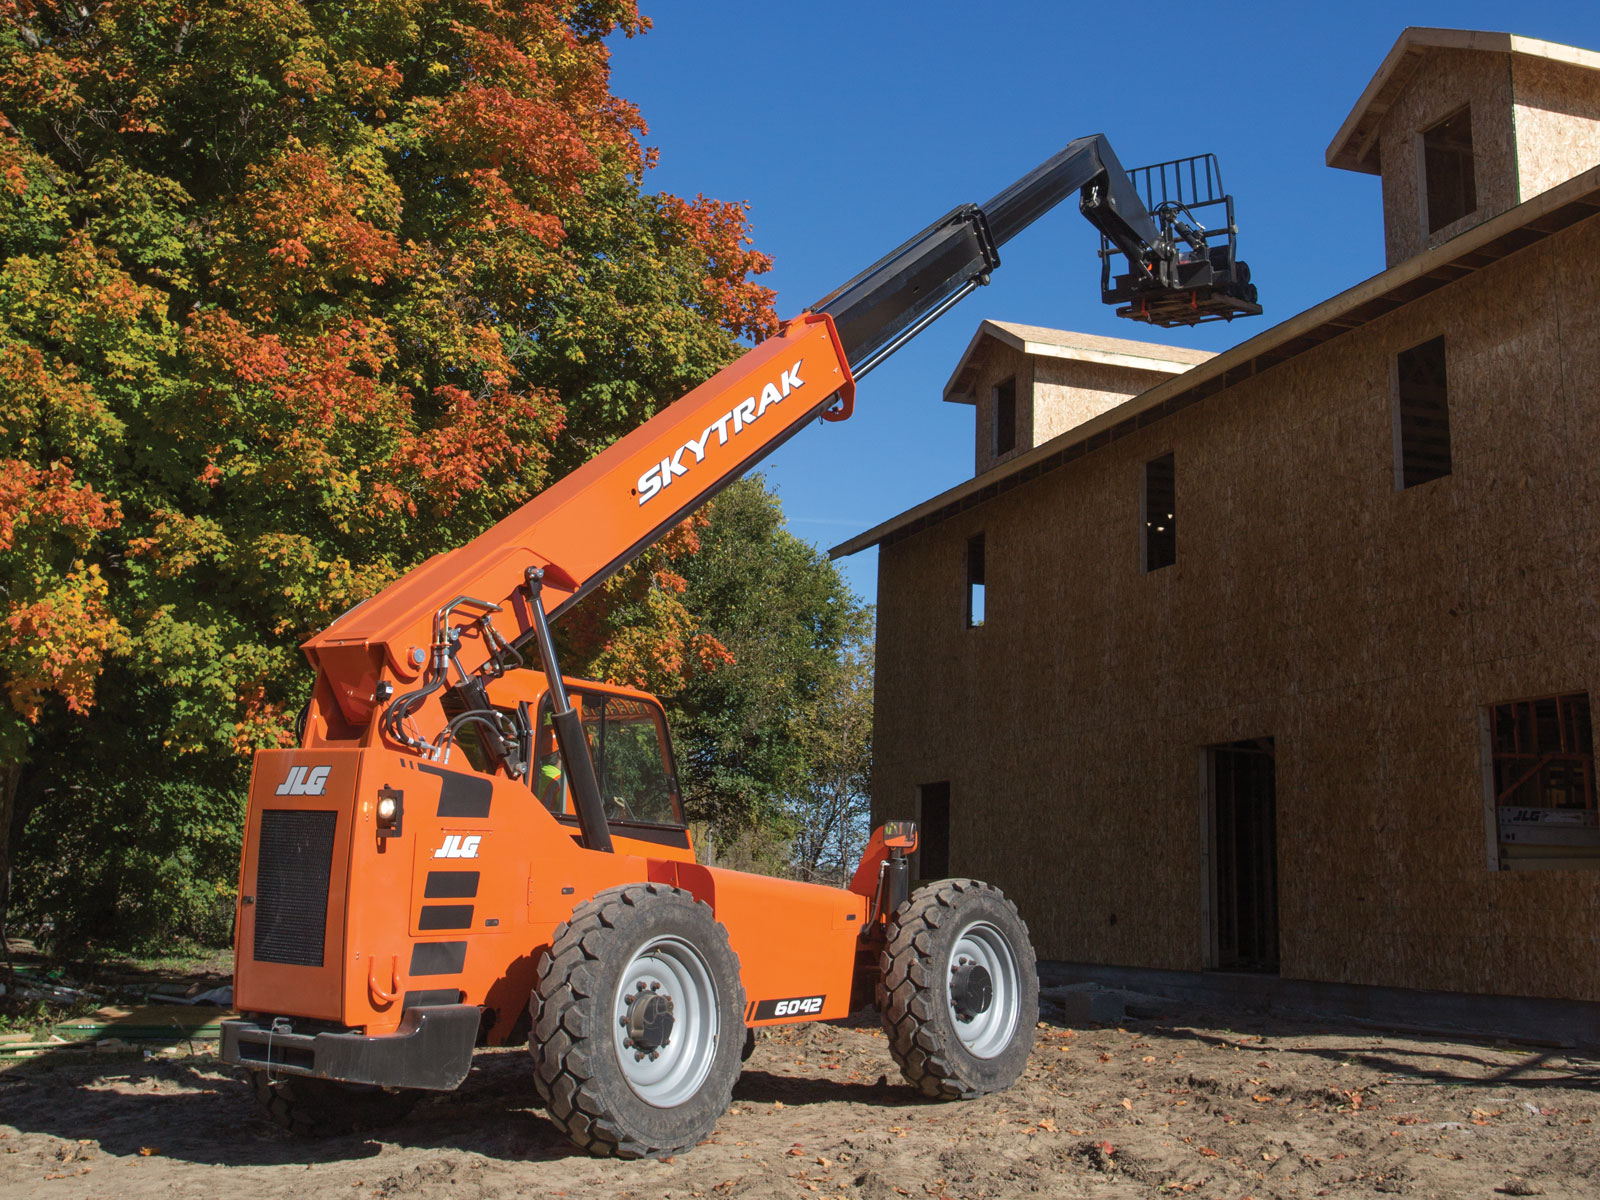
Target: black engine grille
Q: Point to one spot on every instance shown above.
(293, 862)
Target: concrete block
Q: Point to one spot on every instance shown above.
(1086, 1004)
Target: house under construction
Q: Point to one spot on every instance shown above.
(1281, 659)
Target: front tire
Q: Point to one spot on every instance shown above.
(959, 990)
(327, 1108)
(638, 1023)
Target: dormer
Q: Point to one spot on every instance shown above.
(1030, 384)
(1462, 125)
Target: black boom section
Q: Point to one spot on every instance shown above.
(900, 294)
(906, 289)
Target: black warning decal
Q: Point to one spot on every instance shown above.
(798, 1006)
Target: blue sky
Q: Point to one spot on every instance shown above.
(849, 126)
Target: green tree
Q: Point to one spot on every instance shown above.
(786, 716)
(294, 296)
(831, 813)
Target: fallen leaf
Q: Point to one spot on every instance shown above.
(147, 1151)
(1126, 1103)
(1208, 1152)
(1048, 1124)
(1260, 1098)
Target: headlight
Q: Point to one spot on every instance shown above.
(391, 807)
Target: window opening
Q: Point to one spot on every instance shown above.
(1422, 414)
(1544, 787)
(933, 830)
(975, 599)
(1005, 417)
(1449, 182)
(1160, 514)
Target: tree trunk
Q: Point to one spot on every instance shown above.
(10, 776)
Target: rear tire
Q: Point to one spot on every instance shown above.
(959, 990)
(328, 1108)
(638, 1023)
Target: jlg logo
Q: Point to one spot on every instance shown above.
(456, 846)
(305, 781)
(795, 1008)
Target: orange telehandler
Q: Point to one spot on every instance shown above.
(468, 848)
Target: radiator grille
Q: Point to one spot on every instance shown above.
(293, 862)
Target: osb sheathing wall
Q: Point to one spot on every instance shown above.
(1068, 392)
(1444, 83)
(1557, 116)
(1053, 396)
(999, 363)
(1365, 629)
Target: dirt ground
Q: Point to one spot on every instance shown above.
(1203, 1104)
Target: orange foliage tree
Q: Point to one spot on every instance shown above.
(296, 295)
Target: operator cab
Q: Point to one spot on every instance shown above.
(628, 741)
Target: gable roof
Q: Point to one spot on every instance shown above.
(1530, 222)
(1040, 342)
(1354, 147)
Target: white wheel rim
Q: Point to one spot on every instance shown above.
(988, 1033)
(672, 1073)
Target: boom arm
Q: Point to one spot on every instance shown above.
(902, 293)
(464, 610)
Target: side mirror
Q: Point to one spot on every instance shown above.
(900, 835)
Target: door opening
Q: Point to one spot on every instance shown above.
(932, 859)
(1244, 856)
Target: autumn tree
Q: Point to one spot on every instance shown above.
(295, 295)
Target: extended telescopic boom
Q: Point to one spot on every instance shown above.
(462, 611)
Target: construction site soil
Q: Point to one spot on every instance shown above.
(1197, 1103)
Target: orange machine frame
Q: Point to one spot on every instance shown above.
(390, 941)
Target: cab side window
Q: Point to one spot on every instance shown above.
(627, 743)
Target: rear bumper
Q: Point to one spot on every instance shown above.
(432, 1049)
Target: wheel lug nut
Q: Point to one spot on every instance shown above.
(655, 987)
